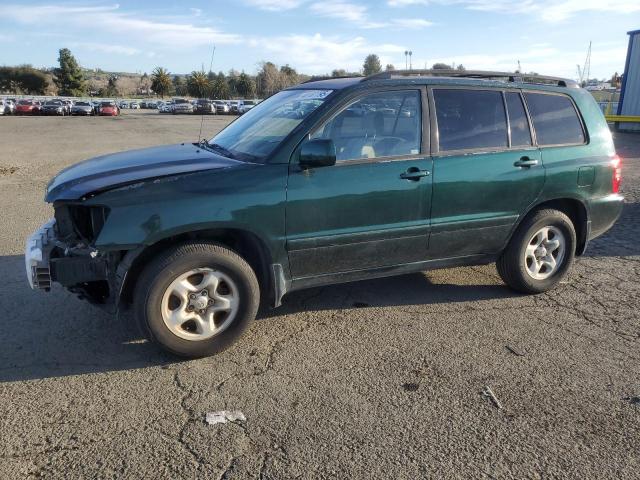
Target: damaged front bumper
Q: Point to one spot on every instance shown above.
(36, 256)
(82, 270)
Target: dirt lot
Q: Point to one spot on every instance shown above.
(378, 379)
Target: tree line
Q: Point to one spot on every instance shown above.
(269, 79)
(70, 80)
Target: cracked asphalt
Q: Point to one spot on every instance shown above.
(377, 379)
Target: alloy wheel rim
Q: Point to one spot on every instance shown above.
(544, 253)
(200, 304)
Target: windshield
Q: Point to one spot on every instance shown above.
(258, 132)
(55, 102)
(82, 104)
(178, 101)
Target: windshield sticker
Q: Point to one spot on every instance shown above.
(313, 94)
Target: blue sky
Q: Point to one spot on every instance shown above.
(316, 36)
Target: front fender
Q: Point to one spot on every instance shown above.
(250, 199)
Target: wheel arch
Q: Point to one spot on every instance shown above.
(574, 208)
(245, 243)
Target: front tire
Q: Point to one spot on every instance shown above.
(196, 299)
(540, 253)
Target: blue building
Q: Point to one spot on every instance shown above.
(630, 94)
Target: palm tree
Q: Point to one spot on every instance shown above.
(245, 86)
(160, 81)
(198, 84)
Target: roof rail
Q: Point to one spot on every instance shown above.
(514, 77)
(329, 77)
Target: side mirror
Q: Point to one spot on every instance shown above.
(320, 152)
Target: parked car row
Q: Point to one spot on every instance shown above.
(203, 106)
(57, 106)
(66, 106)
(133, 105)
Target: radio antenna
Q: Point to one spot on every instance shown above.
(213, 52)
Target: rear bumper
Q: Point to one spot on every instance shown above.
(603, 213)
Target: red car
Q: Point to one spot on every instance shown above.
(28, 107)
(109, 109)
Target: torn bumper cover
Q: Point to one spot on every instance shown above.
(36, 256)
(48, 260)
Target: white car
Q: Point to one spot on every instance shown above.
(9, 106)
(246, 105)
(165, 107)
(181, 105)
(222, 107)
(134, 106)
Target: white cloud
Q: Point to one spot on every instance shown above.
(405, 3)
(547, 10)
(318, 54)
(565, 9)
(543, 59)
(169, 34)
(340, 9)
(358, 15)
(411, 23)
(106, 48)
(275, 5)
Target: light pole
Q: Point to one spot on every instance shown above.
(410, 64)
(406, 52)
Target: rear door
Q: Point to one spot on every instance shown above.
(487, 170)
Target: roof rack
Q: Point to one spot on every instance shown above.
(501, 76)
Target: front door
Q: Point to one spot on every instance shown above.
(372, 208)
(487, 170)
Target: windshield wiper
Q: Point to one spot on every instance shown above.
(219, 148)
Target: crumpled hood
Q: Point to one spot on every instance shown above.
(109, 171)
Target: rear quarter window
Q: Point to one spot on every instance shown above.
(555, 119)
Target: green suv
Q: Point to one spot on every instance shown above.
(334, 181)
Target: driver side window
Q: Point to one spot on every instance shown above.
(384, 124)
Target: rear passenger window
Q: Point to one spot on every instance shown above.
(555, 119)
(470, 119)
(520, 132)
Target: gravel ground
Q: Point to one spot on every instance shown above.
(377, 379)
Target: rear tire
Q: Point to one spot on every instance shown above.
(540, 252)
(196, 299)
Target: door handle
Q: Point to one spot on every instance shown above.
(526, 162)
(414, 173)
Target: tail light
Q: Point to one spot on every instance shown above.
(616, 163)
